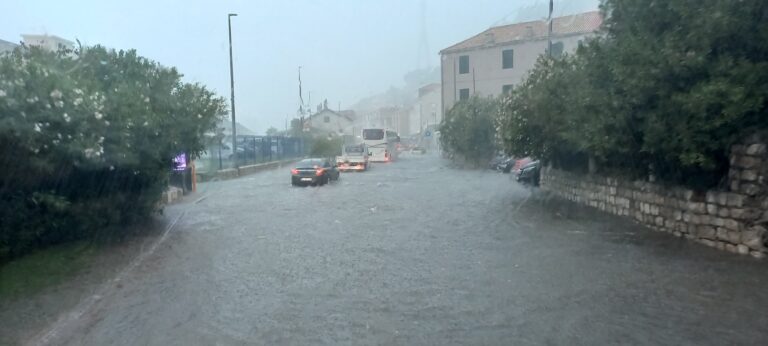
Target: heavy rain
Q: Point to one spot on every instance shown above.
(408, 172)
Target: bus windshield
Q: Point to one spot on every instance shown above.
(373, 134)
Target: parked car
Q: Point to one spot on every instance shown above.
(496, 161)
(513, 165)
(418, 150)
(520, 163)
(506, 165)
(244, 152)
(530, 173)
(315, 171)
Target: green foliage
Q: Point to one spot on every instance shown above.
(296, 129)
(326, 147)
(272, 131)
(44, 268)
(467, 130)
(87, 139)
(666, 89)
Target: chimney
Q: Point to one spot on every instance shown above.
(325, 104)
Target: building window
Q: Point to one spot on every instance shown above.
(327, 119)
(506, 89)
(464, 64)
(507, 58)
(557, 49)
(463, 94)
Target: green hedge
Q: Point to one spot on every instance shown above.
(664, 90)
(326, 147)
(87, 139)
(468, 132)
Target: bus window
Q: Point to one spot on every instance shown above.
(373, 134)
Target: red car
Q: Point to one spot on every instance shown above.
(520, 163)
(513, 165)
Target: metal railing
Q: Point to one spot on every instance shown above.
(250, 150)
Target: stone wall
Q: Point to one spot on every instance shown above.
(734, 220)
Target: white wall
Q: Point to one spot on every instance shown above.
(430, 105)
(485, 65)
(413, 115)
(338, 124)
(51, 43)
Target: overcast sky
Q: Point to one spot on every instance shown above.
(349, 49)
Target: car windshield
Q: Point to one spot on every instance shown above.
(383, 172)
(354, 150)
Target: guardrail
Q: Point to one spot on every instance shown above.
(232, 173)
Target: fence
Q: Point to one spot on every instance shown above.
(250, 150)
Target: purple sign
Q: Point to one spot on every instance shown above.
(180, 162)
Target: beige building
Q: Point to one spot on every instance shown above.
(6, 46)
(394, 118)
(495, 60)
(429, 107)
(49, 42)
(335, 123)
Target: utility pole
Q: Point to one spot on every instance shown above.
(421, 120)
(232, 86)
(455, 96)
(549, 31)
(434, 114)
(301, 105)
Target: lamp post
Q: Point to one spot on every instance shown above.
(434, 114)
(232, 87)
(549, 29)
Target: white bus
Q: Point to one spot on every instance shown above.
(382, 144)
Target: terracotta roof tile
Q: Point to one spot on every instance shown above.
(582, 23)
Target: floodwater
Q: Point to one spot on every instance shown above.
(414, 252)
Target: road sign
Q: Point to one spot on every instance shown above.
(427, 133)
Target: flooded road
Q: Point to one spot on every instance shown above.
(418, 253)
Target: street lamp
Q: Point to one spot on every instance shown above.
(549, 29)
(232, 86)
(434, 113)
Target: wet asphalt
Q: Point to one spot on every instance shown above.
(417, 253)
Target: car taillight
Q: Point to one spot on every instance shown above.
(295, 171)
(319, 172)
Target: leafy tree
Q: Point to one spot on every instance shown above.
(693, 69)
(272, 131)
(467, 130)
(665, 89)
(326, 146)
(87, 140)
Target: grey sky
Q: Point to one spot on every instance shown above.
(349, 49)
